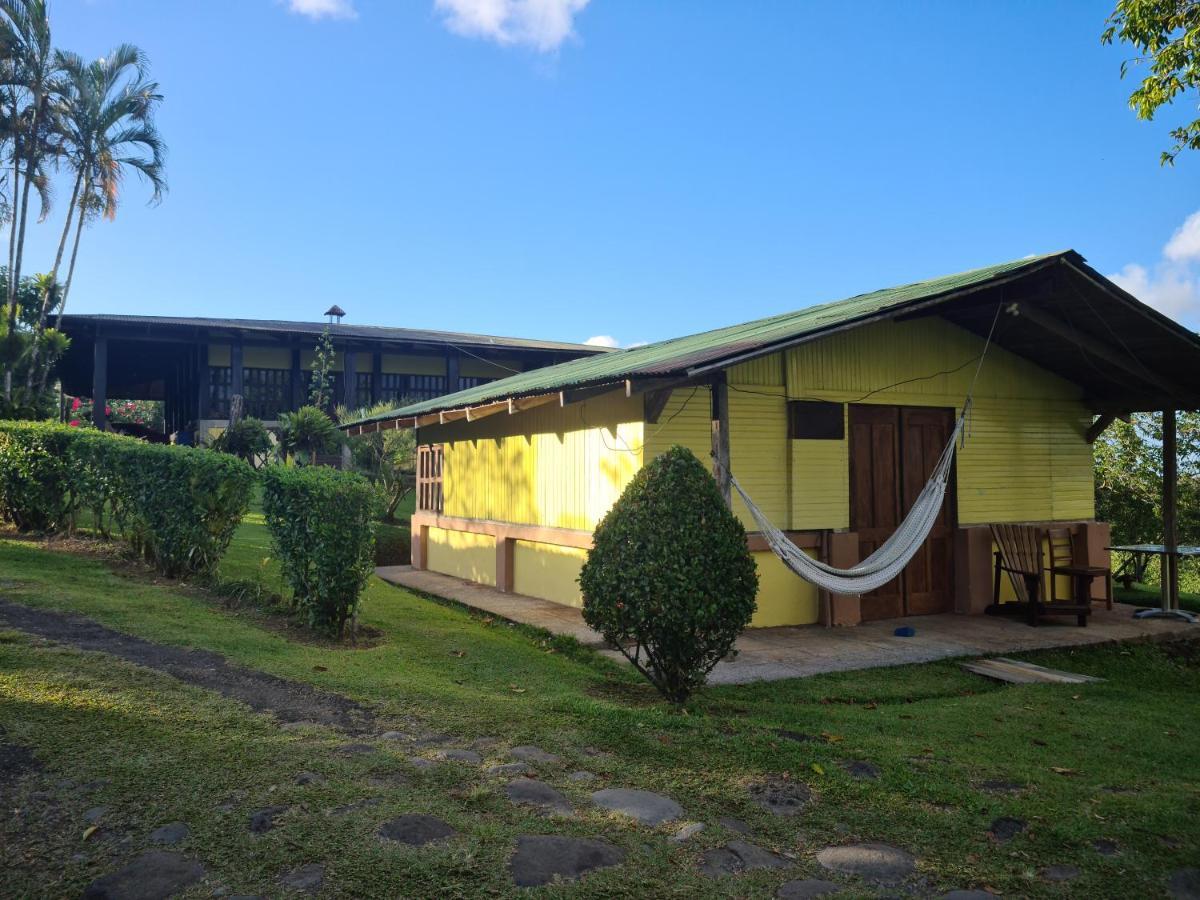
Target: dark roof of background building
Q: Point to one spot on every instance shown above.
(341, 330)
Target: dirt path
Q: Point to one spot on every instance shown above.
(288, 701)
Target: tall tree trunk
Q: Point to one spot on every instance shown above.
(10, 316)
(48, 293)
(62, 303)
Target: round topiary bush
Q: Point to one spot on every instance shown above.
(670, 580)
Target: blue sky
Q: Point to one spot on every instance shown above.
(566, 169)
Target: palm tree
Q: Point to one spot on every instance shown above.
(30, 80)
(107, 119)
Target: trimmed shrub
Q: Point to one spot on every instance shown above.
(35, 476)
(177, 506)
(670, 581)
(323, 530)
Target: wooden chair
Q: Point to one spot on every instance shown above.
(1020, 555)
(1062, 562)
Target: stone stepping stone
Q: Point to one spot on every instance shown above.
(1184, 884)
(1001, 786)
(514, 768)
(1059, 873)
(874, 862)
(738, 856)
(687, 832)
(310, 778)
(860, 769)
(154, 875)
(530, 792)
(306, 879)
(171, 833)
(432, 739)
(419, 762)
(1005, 828)
(529, 753)
(95, 814)
(582, 775)
(780, 798)
(395, 736)
(1106, 847)
(263, 820)
(971, 894)
(355, 749)
(736, 825)
(804, 888)
(416, 830)
(647, 807)
(470, 757)
(543, 858)
(798, 737)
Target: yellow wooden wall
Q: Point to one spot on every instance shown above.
(463, 555)
(555, 466)
(548, 571)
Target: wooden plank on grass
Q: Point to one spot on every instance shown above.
(1014, 671)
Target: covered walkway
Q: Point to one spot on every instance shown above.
(772, 654)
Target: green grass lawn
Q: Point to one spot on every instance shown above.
(1150, 595)
(1107, 761)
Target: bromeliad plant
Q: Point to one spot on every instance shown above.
(670, 581)
(323, 531)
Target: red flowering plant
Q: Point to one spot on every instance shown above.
(147, 413)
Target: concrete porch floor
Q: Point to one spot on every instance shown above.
(771, 654)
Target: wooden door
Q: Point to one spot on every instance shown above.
(929, 578)
(875, 496)
(892, 453)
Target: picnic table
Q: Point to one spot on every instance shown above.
(1139, 552)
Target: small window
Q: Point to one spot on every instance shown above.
(810, 420)
(430, 458)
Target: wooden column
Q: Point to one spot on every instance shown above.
(720, 436)
(350, 379)
(1170, 562)
(100, 382)
(297, 379)
(376, 376)
(203, 380)
(452, 372)
(236, 366)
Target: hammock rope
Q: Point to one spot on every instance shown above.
(890, 558)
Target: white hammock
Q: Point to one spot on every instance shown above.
(890, 558)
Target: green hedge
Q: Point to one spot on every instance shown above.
(177, 506)
(323, 530)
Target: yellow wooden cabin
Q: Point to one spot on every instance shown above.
(833, 417)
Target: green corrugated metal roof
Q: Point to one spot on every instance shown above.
(679, 356)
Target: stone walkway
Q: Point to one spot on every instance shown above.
(772, 654)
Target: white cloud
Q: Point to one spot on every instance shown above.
(323, 9)
(540, 24)
(1170, 288)
(1172, 284)
(602, 340)
(1184, 244)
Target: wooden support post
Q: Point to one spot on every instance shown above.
(1170, 562)
(1097, 428)
(236, 368)
(297, 385)
(203, 385)
(350, 379)
(100, 382)
(376, 377)
(720, 436)
(452, 379)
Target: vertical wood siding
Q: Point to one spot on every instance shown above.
(561, 467)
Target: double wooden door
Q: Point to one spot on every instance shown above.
(893, 450)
